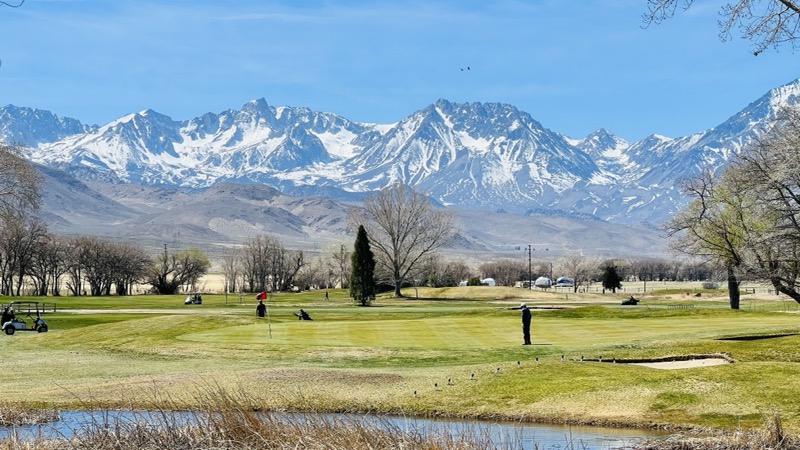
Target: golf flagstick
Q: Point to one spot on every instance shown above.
(269, 324)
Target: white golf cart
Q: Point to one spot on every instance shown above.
(12, 323)
(194, 298)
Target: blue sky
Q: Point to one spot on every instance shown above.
(574, 65)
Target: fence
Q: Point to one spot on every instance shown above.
(25, 308)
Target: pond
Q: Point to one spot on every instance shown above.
(517, 435)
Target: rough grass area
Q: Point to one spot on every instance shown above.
(451, 352)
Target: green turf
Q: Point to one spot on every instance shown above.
(114, 350)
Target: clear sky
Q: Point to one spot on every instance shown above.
(574, 65)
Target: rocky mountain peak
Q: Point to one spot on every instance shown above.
(486, 155)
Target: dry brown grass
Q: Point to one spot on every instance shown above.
(770, 437)
(236, 421)
(14, 414)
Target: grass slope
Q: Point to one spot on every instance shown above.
(454, 352)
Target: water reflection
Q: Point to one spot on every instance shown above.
(502, 434)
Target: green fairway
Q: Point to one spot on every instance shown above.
(493, 331)
(452, 352)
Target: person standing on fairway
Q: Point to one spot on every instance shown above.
(526, 323)
(261, 308)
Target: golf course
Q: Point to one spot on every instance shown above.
(449, 352)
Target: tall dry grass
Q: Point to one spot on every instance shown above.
(234, 421)
(770, 437)
(14, 414)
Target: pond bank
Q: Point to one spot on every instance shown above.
(500, 434)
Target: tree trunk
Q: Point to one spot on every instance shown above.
(733, 289)
(397, 285)
(783, 289)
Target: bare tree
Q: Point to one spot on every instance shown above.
(767, 23)
(766, 174)
(48, 265)
(713, 227)
(20, 184)
(103, 265)
(340, 265)
(267, 265)
(505, 271)
(435, 271)
(129, 266)
(232, 269)
(97, 261)
(19, 240)
(172, 271)
(403, 228)
(748, 219)
(578, 267)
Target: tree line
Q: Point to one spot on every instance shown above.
(36, 262)
(742, 224)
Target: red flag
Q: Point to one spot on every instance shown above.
(261, 295)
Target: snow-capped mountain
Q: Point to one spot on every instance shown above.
(34, 126)
(484, 155)
(478, 155)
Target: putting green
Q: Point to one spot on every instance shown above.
(484, 332)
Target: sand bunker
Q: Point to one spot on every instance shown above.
(679, 361)
(688, 364)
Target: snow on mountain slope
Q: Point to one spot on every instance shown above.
(481, 154)
(31, 127)
(487, 155)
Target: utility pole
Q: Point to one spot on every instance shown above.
(530, 272)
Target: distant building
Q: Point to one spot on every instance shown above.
(564, 282)
(543, 282)
(488, 282)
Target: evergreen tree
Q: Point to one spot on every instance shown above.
(611, 279)
(362, 276)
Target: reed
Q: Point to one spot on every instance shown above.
(235, 421)
(15, 414)
(770, 437)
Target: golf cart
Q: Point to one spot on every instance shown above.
(193, 299)
(11, 323)
(630, 301)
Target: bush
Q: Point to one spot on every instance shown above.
(474, 281)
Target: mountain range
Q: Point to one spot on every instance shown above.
(489, 157)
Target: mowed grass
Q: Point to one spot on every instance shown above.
(451, 352)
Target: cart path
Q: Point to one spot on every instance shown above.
(148, 311)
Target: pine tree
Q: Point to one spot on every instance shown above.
(362, 277)
(611, 279)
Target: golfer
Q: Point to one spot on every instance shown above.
(302, 315)
(261, 308)
(526, 323)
